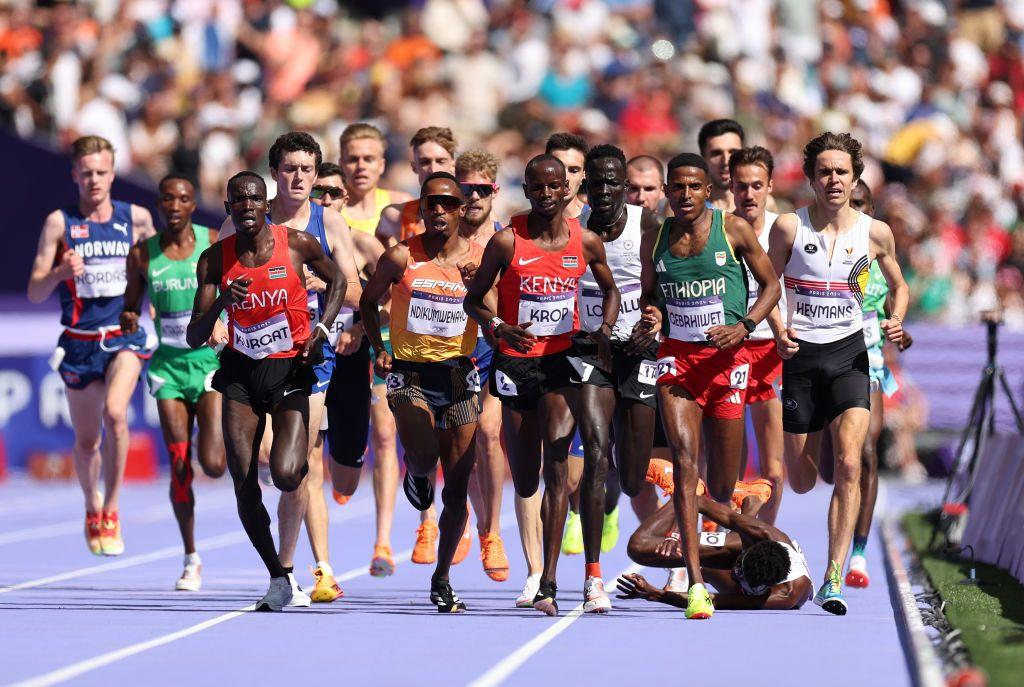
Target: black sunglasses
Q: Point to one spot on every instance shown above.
(447, 203)
(319, 192)
(482, 190)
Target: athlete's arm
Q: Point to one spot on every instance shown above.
(137, 263)
(750, 529)
(207, 306)
(593, 253)
(780, 247)
(142, 224)
(497, 256)
(369, 248)
(390, 269)
(645, 332)
(45, 275)
(339, 238)
(749, 249)
(883, 249)
(389, 226)
(310, 253)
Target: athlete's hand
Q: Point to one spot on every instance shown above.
(129, 321)
(893, 329)
(907, 341)
(517, 336)
(313, 349)
(71, 265)
(349, 342)
(669, 547)
(645, 332)
(785, 345)
(219, 337)
(237, 291)
(382, 364)
(468, 271)
(726, 336)
(604, 348)
(634, 586)
(315, 283)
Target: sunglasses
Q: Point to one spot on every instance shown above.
(447, 203)
(319, 192)
(482, 190)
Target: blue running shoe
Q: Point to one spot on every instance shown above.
(830, 595)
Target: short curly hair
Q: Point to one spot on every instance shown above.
(291, 142)
(765, 564)
(831, 141)
(479, 161)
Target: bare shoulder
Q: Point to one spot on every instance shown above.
(399, 197)
(879, 231)
(393, 212)
(787, 222)
(649, 222)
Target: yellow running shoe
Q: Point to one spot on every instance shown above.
(110, 534)
(464, 545)
(698, 604)
(383, 563)
(610, 530)
(572, 537)
(325, 588)
(425, 550)
(492, 553)
(93, 529)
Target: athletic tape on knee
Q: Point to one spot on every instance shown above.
(181, 472)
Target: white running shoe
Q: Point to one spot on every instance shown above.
(191, 578)
(300, 599)
(530, 590)
(678, 580)
(595, 600)
(278, 595)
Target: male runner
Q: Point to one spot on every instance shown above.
(750, 174)
(477, 172)
(362, 161)
(534, 374)
(267, 367)
(718, 140)
(619, 400)
(179, 377)
(824, 252)
(571, 149)
(294, 160)
(432, 383)
(81, 253)
(699, 280)
(645, 183)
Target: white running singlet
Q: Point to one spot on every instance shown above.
(763, 331)
(623, 256)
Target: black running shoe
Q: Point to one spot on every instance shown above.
(545, 599)
(445, 598)
(418, 490)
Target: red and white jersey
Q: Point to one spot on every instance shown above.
(273, 320)
(540, 287)
(763, 331)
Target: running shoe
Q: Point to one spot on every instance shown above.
(383, 563)
(545, 600)
(278, 595)
(595, 600)
(659, 473)
(339, 498)
(300, 599)
(325, 587)
(445, 598)
(110, 534)
(191, 578)
(760, 489)
(425, 550)
(93, 530)
(465, 543)
(264, 475)
(707, 525)
(418, 490)
(572, 537)
(610, 531)
(698, 604)
(492, 554)
(678, 580)
(530, 589)
(857, 575)
(830, 594)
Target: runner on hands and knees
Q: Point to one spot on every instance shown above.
(477, 172)
(699, 280)
(294, 160)
(750, 173)
(179, 377)
(645, 184)
(619, 401)
(432, 382)
(535, 373)
(267, 367)
(824, 252)
(81, 253)
(719, 140)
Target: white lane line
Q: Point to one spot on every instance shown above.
(508, 665)
(29, 504)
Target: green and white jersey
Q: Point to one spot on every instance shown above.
(172, 286)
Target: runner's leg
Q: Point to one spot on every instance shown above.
(122, 376)
(86, 410)
(767, 420)
(176, 427)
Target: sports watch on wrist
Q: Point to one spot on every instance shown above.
(749, 325)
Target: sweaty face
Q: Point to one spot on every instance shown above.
(687, 190)
(606, 186)
(362, 160)
(94, 175)
(429, 158)
(176, 202)
(295, 175)
(441, 206)
(546, 188)
(478, 207)
(329, 191)
(573, 161)
(247, 204)
(861, 201)
(717, 152)
(833, 178)
(644, 188)
(751, 187)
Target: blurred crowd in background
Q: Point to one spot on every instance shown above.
(933, 88)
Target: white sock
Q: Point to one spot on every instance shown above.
(325, 567)
(192, 559)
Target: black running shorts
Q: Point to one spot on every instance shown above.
(348, 407)
(520, 382)
(632, 376)
(261, 384)
(823, 380)
(448, 388)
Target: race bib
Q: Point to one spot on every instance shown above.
(264, 338)
(592, 309)
(436, 315)
(395, 381)
(824, 307)
(666, 365)
(102, 279)
(872, 332)
(172, 328)
(715, 539)
(648, 372)
(689, 318)
(506, 387)
(739, 376)
(583, 369)
(550, 314)
(342, 323)
(473, 381)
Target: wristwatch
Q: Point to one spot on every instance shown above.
(493, 324)
(749, 325)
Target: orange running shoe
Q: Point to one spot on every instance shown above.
(383, 563)
(465, 543)
(659, 473)
(425, 550)
(760, 489)
(339, 498)
(708, 525)
(93, 530)
(325, 587)
(110, 534)
(492, 553)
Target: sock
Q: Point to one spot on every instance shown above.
(593, 569)
(325, 567)
(289, 569)
(859, 544)
(192, 559)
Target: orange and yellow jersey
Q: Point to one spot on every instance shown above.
(428, 322)
(381, 199)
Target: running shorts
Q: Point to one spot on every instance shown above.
(261, 384)
(483, 357)
(178, 373)
(348, 407)
(520, 382)
(632, 376)
(86, 359)
(716, 379)
(324, 370)
(823, 380)
(765, 368)
(448, 388)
